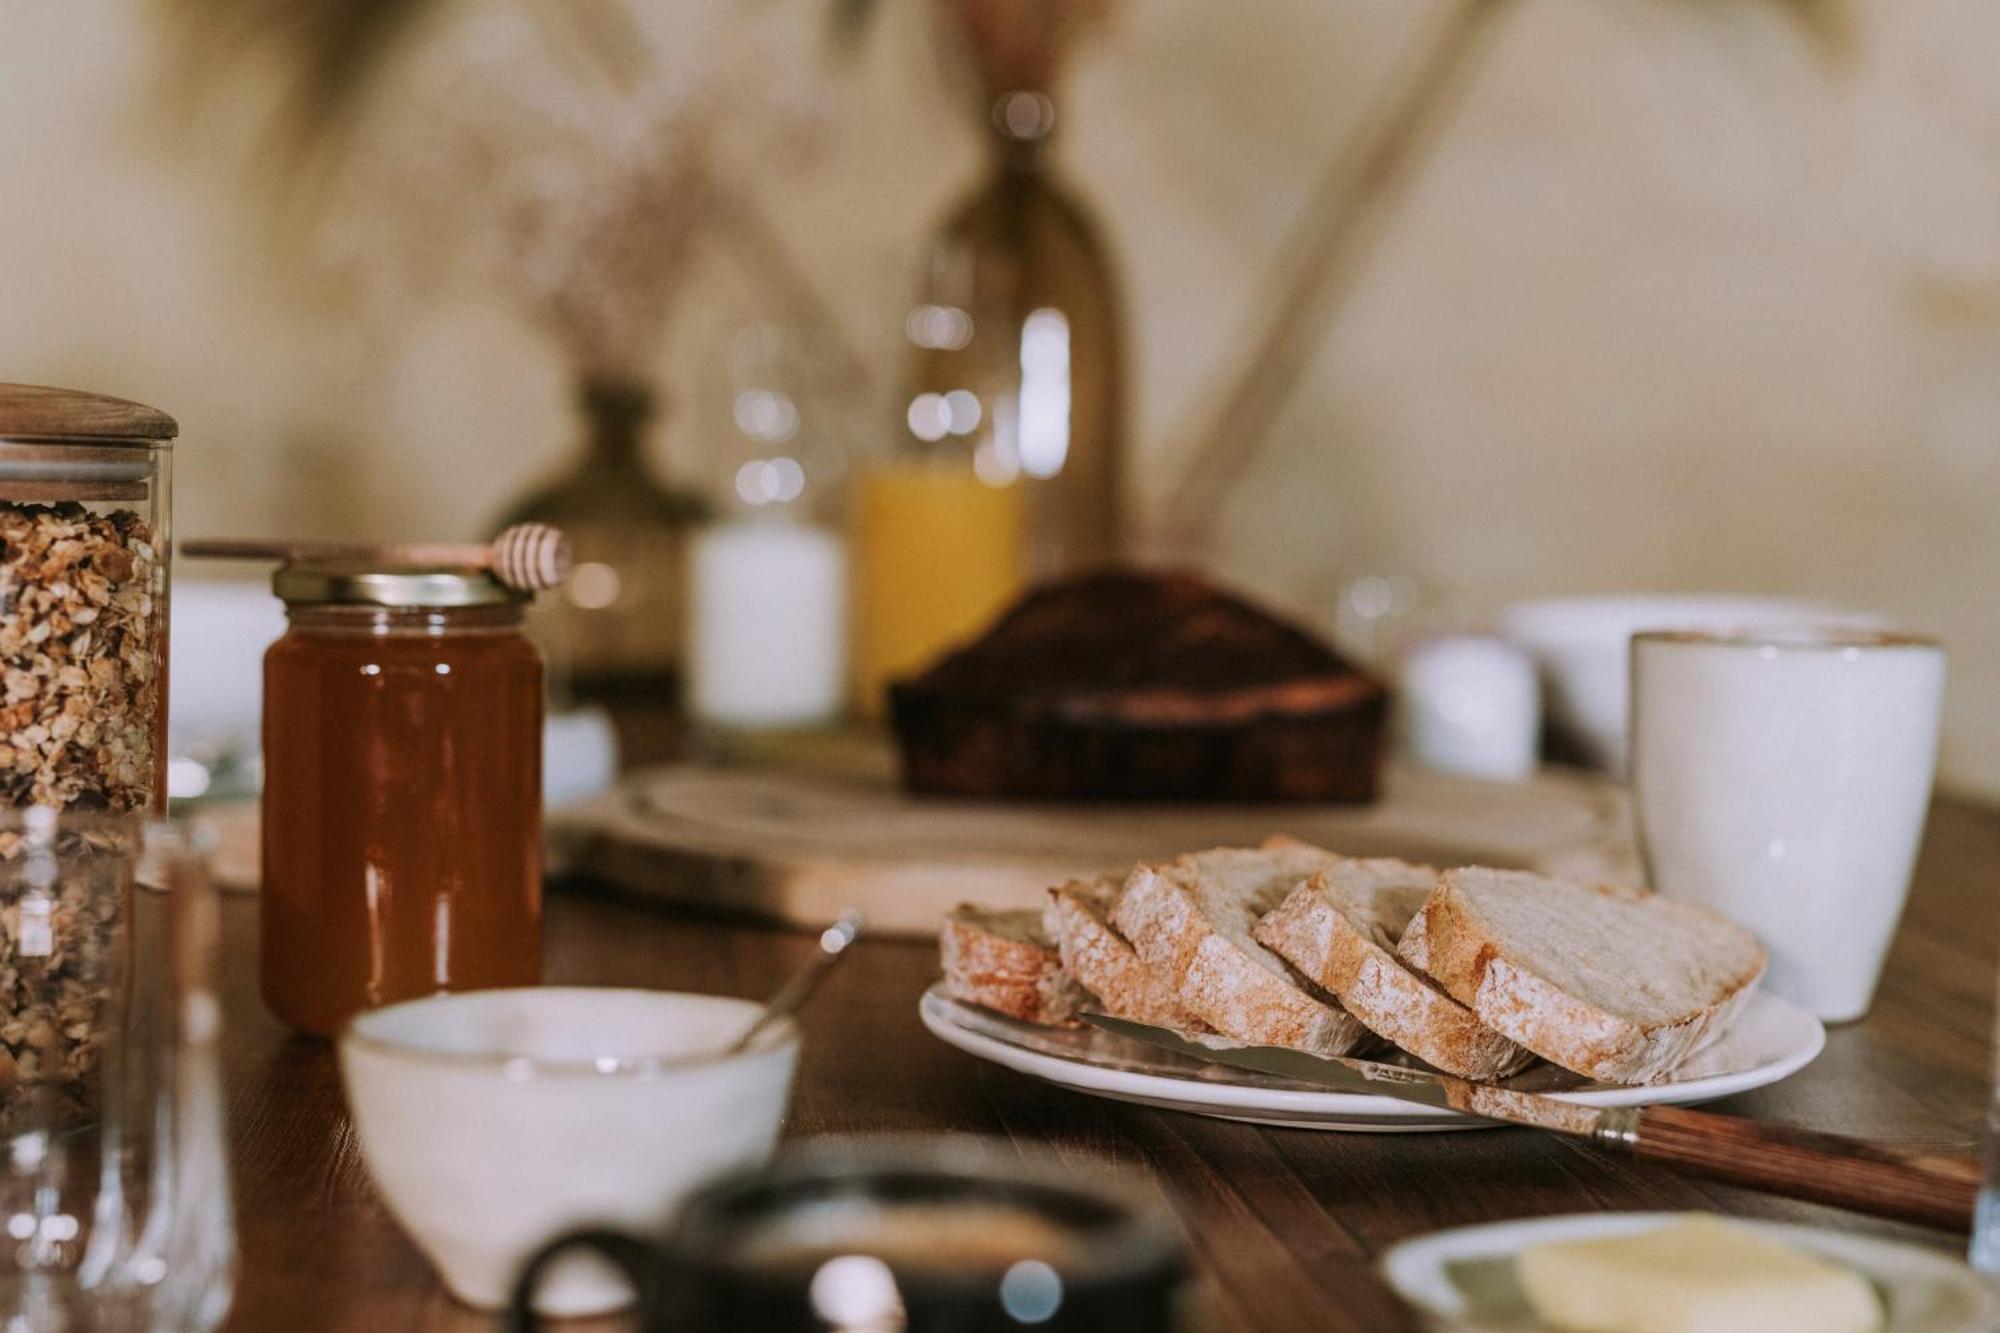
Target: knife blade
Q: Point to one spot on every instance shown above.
(1374, 1078)
(1914, 1185)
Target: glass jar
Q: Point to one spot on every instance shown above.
(767, 577)
(85, 503)
(115, 1186)
(402, 792)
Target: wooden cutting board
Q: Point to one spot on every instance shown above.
(800, 845)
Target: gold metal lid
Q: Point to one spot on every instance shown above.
(360, 585)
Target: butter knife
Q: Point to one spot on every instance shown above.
(1930, 1188)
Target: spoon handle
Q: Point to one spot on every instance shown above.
(532, 557)
(798, 988)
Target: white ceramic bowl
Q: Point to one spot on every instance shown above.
(1580, 647)
(495, 1119)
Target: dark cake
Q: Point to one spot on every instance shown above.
(1131, 686)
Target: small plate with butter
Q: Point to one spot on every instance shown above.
(1683, 1273)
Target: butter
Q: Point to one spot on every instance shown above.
(1698, 1275)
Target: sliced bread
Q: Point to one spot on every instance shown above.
(1340, 929)
(1194, 920)
(1078, 918)
(1006, 962)
(1614, 984)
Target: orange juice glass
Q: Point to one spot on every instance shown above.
(937, 555)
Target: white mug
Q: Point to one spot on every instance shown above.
(1782, 778)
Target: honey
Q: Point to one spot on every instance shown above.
(402, 794)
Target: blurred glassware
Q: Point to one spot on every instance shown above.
(221, 628)
(937, 554)
(1984, 1250)
(1373, 616)
(621, 612)
(1009, 458)
(767, 600)
(115, 1185)
(1016, 346)
(579, 756)
(1470, 705)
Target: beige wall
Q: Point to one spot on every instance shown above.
(1685, 299)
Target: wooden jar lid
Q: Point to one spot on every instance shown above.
(33, 412)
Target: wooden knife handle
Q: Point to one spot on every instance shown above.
(1934, 1189)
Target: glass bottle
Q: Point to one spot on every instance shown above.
(1009, 457)
(1020, 309)
(620, 615)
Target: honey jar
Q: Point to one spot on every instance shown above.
(402, 791)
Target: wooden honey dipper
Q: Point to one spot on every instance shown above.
(529, 557)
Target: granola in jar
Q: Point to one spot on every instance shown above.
(79, 660)
(79, 707)
(63, 922)
(85, 546)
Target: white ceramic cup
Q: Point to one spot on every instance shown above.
(494, 1120)
(1782, 777)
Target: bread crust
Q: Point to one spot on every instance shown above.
(1104, 962)
(1392, 1000)
(1005, 962)
(1478, 969)
(1215, 977)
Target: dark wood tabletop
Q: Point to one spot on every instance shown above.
(1285, 1225)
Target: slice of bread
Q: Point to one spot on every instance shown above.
(1340, 929)
(1414, 947)
(1006, 962)
(1078, 918)
(1615, 984)
(1194, 921)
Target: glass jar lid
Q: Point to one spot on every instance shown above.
(309, 584)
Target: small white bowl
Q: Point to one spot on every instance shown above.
(493, 1120)
(1581, 646)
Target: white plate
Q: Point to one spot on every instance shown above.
(1769, 1040)
(1464, 1279)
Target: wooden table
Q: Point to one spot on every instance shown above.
(1286, 1225)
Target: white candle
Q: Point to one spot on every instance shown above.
(768, 623)
(1471, 706)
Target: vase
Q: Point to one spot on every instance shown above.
(620, 617)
